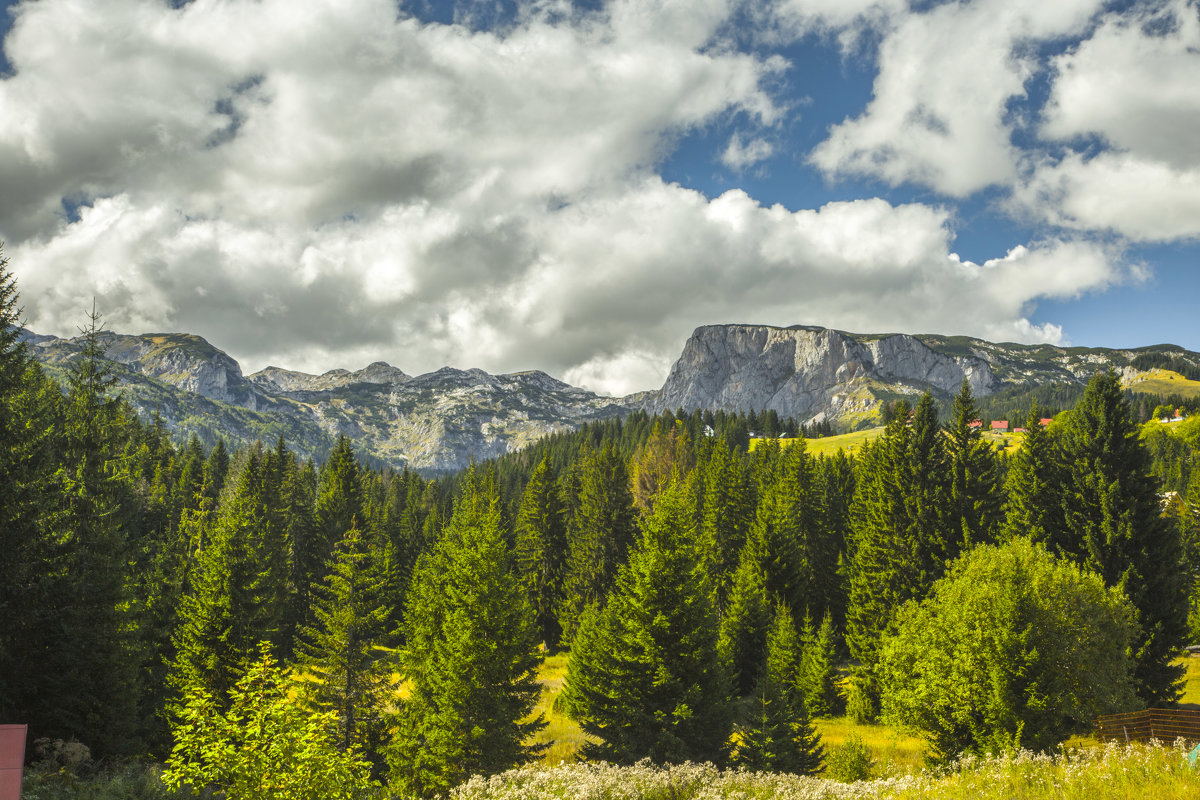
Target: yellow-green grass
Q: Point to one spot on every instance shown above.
(828, 445)
(1162, 382)
(562, 734)
(894, 751)
(1191, 679)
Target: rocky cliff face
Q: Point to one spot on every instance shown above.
(445, 419)
(816, 374)
(439, 421)
(808, 373)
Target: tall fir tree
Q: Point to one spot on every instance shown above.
(1115, 527)
(32, 560)
(644, 676)
(91, 662)
(975, 503)
(541, 551)
(347, 654)
(1033, 489)
(470, 656)
(728, 512)
(599, 533)
(776, 733)
(884, 572)
(743, 639)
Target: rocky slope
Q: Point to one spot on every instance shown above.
(816, 374)
(439, 421)
(445, 419)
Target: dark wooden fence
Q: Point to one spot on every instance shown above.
(1163, 724)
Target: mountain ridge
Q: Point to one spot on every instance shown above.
(449, 417)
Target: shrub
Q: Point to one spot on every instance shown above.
(850, 761)
(1013, 649)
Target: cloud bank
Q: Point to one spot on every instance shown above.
(329, 183)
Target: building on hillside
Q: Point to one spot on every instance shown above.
(975, 423)
(1000, 425)
(1046, 421)
(1019, 430)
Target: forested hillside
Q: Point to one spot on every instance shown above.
(192, 603)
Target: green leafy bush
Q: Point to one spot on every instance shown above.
(266, 747)
(1013, 649)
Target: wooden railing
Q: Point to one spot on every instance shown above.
(1163, 724)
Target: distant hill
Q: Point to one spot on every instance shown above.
(445, 419)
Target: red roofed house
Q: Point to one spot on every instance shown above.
(1019, 430)
(1000, 425)
(1046, 421)
(975, 423)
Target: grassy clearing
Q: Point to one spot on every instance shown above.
(893, 751)
(562, 734)
(1163, 382)
(828, 445)
(1191, 679)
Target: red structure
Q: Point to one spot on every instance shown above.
(12, 760)
(1000, 425)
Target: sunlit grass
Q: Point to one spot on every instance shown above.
(894, 751)
(1191, 679)
(562, 733)
(1163, 382)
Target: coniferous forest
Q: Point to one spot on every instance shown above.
(369, 631)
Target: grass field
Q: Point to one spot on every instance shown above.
(1163, 382)
(895, 752)
(849, 442)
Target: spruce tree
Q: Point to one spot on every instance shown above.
(599, 534)
(817, 673)
(1033, 489)
(470, 656)
(32, 561)
(344, 655)
(743, 639)
(644, 676)
(728, 512)
(541, 551)
(884, 572)
(776, 733)
(975, 512)
(1115, 527)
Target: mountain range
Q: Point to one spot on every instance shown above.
(445, 419)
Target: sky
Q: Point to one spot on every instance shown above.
(575, 187)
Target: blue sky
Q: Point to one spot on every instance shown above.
(574, 187)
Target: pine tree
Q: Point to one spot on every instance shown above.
(776, 734)
(644, 676)
(32, 577)
(1033, 489)
(90, 662)
(974, 490)
(239, 589)
(927, 495)
(743, 639)
(729, 506)
(817, 667)
(343, 654)
(884, 572)
(1114, 526)
(541, 551)
(470, 657)
(599, 534)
